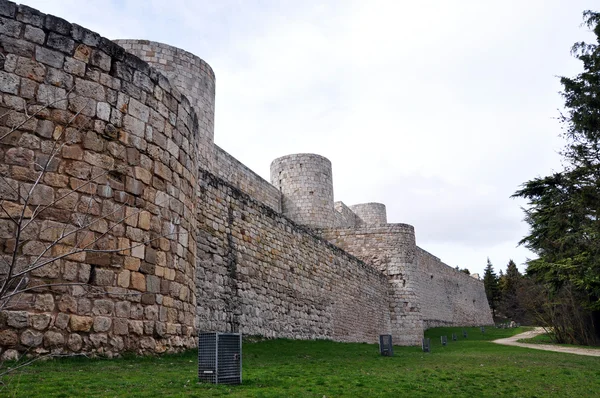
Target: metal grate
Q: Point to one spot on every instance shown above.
(220, 358)
(386, 348)
(426, 344)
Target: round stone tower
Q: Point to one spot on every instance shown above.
(193, 77)
(306, 182)
(370, 214)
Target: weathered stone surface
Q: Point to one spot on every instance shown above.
(44, 302)
(74, 342)
(31, 338)
(8, 338)
(102, 324)
(81, 323)
(61, 321)
(39, 321)
(53, 339)
(10, 355)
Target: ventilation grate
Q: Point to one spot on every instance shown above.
(386, 348)
(220, 358)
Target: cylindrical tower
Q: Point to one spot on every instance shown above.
(193, 77)
(99, 187)
(305, 180)
(370, 214)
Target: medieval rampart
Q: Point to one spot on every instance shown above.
(128, 151)
(447, 296)
(279, 279)
(184, 236)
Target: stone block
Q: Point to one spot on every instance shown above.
(81, 323)
(10, 27)
(121, 326)
(34, 34)
(44, 302)
(138, 250)
(49, 57)
(75, 342)
(148, 298)
(100, 59)
(17, 46)
(8, 338)
(124, 278)
(58, 25)
(102, 324)
(138, 281)
(9, 83)
(31, 338)
(84, 35)
(122, 309)
(103, 307)
(8, 9)
(67, 303)
(10, 354)
(30, 69)
(72, 152)
(61, 321)
(136, 327)
(53, 339)
(19, 156)
(39, 321)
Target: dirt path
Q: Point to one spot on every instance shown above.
(546, 347)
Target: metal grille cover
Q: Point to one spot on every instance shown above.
(386, 348)
(220, 358)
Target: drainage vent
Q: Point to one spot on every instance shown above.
(386, 348)
(220, 358)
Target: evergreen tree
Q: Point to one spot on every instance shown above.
(564, 208)
(509, 284)
(490, 282)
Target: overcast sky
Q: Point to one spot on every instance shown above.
(439, 109)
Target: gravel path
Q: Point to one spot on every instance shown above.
(546, 347)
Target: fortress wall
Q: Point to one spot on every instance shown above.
(130, 153)
(368, 214)
(193, 77)
(306, 183)
(260, 273)
(237, 174)
(344, 217)
(391, 250)
(449, 297)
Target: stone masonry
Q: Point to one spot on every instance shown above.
(185, 237)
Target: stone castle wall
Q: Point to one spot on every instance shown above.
(449, 297)
(278, 279)
(189, 238)
(306, 183)
(127, 144)
(390, 249)
(237, 174)
(370, 214)
(193, 77)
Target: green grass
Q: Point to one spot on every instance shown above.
(471, 367)
(546, 339)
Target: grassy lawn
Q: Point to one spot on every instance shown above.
(471, 367)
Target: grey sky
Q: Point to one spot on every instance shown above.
(439, 109)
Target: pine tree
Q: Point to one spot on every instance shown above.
(490, 282)
(509, 301)
(564, 209)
